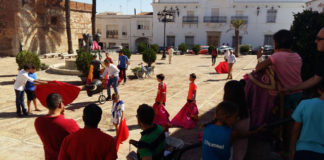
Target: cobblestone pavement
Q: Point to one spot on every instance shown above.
(19, 141)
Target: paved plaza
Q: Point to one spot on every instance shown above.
(18, 138)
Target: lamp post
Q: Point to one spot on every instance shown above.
(166, 16)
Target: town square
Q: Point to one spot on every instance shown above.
(162, 79)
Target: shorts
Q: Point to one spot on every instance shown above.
(30, 95)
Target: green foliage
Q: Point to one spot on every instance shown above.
(155, 47)
(149, 56)
(127, 52)
(304, 29)
(210, 49)
(183, 47)
(245, 48)
(83, 61)
(44, 66)
(196, 48)
(237, 23)
(27, 57)
(136, 69)
(141, 47)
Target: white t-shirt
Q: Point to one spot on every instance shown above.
(112, 71)
(231, 58)
(116, 110)
(171, 50)
(21, 80)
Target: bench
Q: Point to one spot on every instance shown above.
(51, 55)
(68, 55)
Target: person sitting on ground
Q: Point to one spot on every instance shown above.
(53, 127)
(19, 86)
(117, 111)
(30, 90)
(287, 66)
(307, 135)
(234, 92)
(89, 143)
(152, 143)
(113, 73)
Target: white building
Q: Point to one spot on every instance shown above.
(207, 22)
(315, 5)
(124, 30)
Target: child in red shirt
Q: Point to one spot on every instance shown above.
(161, 116)
(188, 115)
(161, 94)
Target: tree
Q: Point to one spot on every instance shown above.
(68, 26)
(196, 49)
(149, 56)
(93, 16)
(183, 48)
(155, 47)
(237, 24)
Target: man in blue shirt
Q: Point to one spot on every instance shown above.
(308, 128)
(123, 64)
(30, 89)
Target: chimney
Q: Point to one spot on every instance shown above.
(134, 11)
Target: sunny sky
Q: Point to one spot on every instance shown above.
(126, 6)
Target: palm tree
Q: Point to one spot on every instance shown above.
(93, 17)
(237, 25)
(68, 26)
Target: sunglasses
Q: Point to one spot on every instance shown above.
(319, 38)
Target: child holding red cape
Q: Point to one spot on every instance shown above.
(188, 115)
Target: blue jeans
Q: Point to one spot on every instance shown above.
(114, 83)
(20, 101)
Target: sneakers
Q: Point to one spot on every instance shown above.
(108, 98)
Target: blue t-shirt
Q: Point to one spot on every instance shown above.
(216, 142)
(123, 61)
(311, 114)
(30, 85)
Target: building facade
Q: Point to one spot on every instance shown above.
(39, 26)
(315, 5)
(208, 22)
(124, 30)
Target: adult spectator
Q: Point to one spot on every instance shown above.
(286, 64)
(19, 87)
(89, 143)
(170, 52)
(53, 127)
(152, 143)
(96, 67)
(123, 64)
(113, 73)
(319, 71)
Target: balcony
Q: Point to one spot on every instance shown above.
(244, 18)
(215, 19)
(190, 19)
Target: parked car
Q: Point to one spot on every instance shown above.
(114, 48)
(203, 50)
(267, 49)
(223, 48)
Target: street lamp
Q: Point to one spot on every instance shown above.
(166, 16)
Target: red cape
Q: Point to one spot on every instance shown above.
(222, 67)
(68, 92)
(123, 133)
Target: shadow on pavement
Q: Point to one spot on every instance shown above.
(12, 75)
(6, 115)
(215, 80)
(74, 106)
(6, 83)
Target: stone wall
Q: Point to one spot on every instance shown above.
(39, 26)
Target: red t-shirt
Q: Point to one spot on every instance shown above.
(109, 59)
(192, 88)
(161, 89)
(214, 53)
(52, 131)
(88, 144)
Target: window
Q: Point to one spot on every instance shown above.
(143, 25)
(112, 31)
(54, 20)
(170, 41)
(125, 45)
(268, 40)
(271, 16)
(124, 33)
(190, 40)
(215, 12)
(233, 41)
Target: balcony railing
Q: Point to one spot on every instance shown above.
(190, 19)
(244, 18)
(215, 19)
(176, 1)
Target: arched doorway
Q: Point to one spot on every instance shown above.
(141, 40)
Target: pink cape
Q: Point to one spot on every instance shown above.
(183, 118)
(95, 46)
(161, 115)
(222, 67)
(68, 92)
